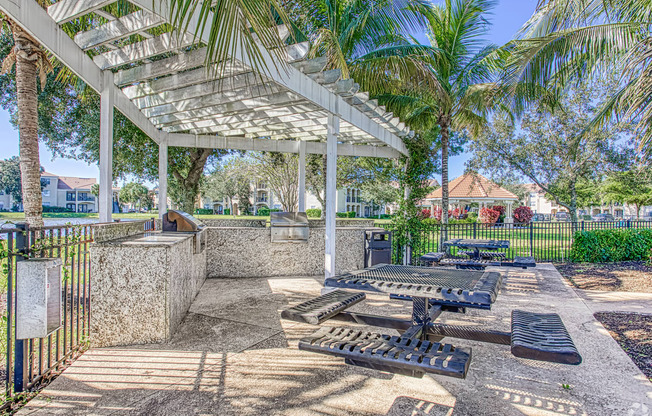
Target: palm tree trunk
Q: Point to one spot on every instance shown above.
(444, 181)
(27, 98)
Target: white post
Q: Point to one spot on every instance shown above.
(331, 188)
(302, 176)
(162, 177)
(106, 147)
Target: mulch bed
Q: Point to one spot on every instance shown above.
(633, 331)
(627, 276)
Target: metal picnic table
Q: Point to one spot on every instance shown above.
(479, 254)
(419, 350)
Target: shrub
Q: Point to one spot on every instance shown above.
(227, 211)
(425, 213)
(489, 216)
(472, 216)
(56, 209)
(313, 213)
(385, 216)
(499, 208)
(350, 214)
(600, 246)
(341, 214)
(264, 212)
(523, 214)
(203, 211)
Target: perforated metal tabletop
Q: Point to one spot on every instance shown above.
(451, 285)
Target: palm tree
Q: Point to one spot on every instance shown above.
(462, 88)
(566, 41)
(30, 61)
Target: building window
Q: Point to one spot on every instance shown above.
(70, 196)
(46, 192)
(70, 207)
(46, 181)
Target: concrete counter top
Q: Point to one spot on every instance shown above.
(150, 239)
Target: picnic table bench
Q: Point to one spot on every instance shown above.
(473, 257)
(419, 349)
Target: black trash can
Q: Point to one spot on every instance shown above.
(378, 248)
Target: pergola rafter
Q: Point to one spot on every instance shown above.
(163, 84)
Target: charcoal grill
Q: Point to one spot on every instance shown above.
(181, 222)
(288, 227)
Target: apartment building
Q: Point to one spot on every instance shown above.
(539, 204)
(72, 193)
(348, 199)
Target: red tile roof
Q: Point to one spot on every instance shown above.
(473, 186)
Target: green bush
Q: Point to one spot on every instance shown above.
(313, 213)
(341, 214)
(203, 211)
(264, 212)
(350, 214)
(385, 216)
(600, 246)
(56, 209)
(227, 211)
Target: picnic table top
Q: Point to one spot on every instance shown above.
(478, 288)
(477, 243)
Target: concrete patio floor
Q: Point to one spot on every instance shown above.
(233, 355)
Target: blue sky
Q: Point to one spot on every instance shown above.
(508, 16)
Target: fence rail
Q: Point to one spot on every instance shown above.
(545, 241)
(28, 362)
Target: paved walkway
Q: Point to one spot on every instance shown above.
(602, 301)
(234, 356)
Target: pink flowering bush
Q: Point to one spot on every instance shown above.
(489, 216)
(523, 215)
(425, 213)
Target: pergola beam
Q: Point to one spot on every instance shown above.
(67, 10)
(197, 115)
(296, 81)
(147, 48)
(282, 146)
(118, 29)
(36, 21)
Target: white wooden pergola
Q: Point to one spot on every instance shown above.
(177, 101)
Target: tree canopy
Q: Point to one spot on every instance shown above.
(559, 152)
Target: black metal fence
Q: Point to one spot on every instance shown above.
(546, 241)
(32, 361)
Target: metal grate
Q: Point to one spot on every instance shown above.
(543, 337)
(422, 276)
(451, 285)
(323, 307)
(400, 355)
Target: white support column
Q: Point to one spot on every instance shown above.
(331, 188)
(302, 176)
(106, 147)
(162, 177)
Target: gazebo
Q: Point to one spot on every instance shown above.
(163, 86)
(474, 188)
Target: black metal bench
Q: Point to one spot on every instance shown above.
(432, 257)
(319, 309)
(485, 255)
(543, 337)
(524, 262)
(401, 355)
(466, 263)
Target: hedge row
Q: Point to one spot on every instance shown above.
(601, 246)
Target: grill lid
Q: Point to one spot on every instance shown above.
(288, 219)
(175, 220)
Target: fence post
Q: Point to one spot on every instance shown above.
(21, 358)
(531, 239)
(582, 225)
(475, 229)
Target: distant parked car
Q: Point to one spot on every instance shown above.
(603, 217)
(562, 216)
(538, 217)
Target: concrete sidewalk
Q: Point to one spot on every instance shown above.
(603, 301)
(234, 356)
